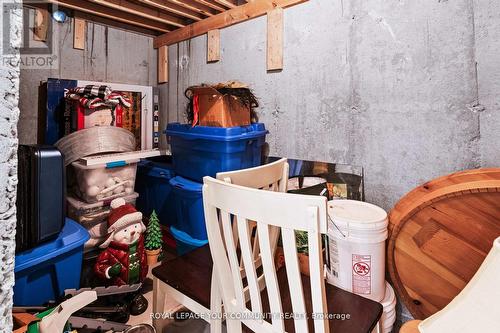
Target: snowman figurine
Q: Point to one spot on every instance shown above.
(123, 260)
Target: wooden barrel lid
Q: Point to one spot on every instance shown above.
(440, 234)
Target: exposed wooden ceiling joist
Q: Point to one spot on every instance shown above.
(211, 4)
(116, 24)
(229, 17)
(174, 9)
(146, 12)
(227, 3)
(194, 6)
(103, 11)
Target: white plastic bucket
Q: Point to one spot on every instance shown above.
(389, 315)
(357, 232)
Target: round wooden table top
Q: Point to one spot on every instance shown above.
(440, 234)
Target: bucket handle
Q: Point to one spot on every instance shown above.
(336, 227)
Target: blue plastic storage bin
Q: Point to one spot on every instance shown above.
(203, 151)
(189, 207)
(155, 192)
(43, 273)
(184, 242)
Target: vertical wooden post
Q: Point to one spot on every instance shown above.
(213, 45)
(79, 33)
(275, 39)
(163, 64)
(41, 24)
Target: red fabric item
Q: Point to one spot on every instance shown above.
(117, 253)
(196, 109)
(80, 112)
(119, 212)
(119, 116)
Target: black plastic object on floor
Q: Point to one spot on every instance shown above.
(41, 195)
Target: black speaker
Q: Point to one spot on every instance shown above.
(41, 195)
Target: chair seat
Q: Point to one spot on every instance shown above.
(364, 313)
(191, 275)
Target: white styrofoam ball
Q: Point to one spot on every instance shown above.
(93, 191)
(110, 182)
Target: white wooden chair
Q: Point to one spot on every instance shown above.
(186, 279)
(474, 309)
(228, 206)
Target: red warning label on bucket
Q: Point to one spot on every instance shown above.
(361, 274)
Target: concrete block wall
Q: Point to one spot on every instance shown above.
(9, 115)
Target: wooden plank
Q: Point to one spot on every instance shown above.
(41, 24)
(275, 39)
(116, 24)
(79, 29)
(211, 4)
(102, 11)
(163, 64)
(213, 45)
(232, 16)
(174, 9)
(194, 6)
(227, 3)
(149, 13)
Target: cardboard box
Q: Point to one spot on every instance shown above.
(217, 110)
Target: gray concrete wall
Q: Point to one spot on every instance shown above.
(487, 54)
(110, 55)
(9, 115)
(389, 85)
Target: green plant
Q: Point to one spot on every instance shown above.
(153, 233)
(302, 242)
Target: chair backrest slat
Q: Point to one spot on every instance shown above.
(249, 264)
(315, 273)
(269, 210)
(270, 275)
(231, 253)
(294, 280)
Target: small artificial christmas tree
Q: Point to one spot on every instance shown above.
(153, 233)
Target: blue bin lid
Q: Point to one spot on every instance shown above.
(186, 131)
(72, 236)
(186, 184)
(185, 238)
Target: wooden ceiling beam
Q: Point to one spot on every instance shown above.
(174, 9)
(105, 12)
(146, 12)
(232, 16)
(194, 6)
(211, 4)
(227, 3)
(129, 26)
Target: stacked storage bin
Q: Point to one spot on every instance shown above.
(95, 187)
(43, 273)
(204, 151)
